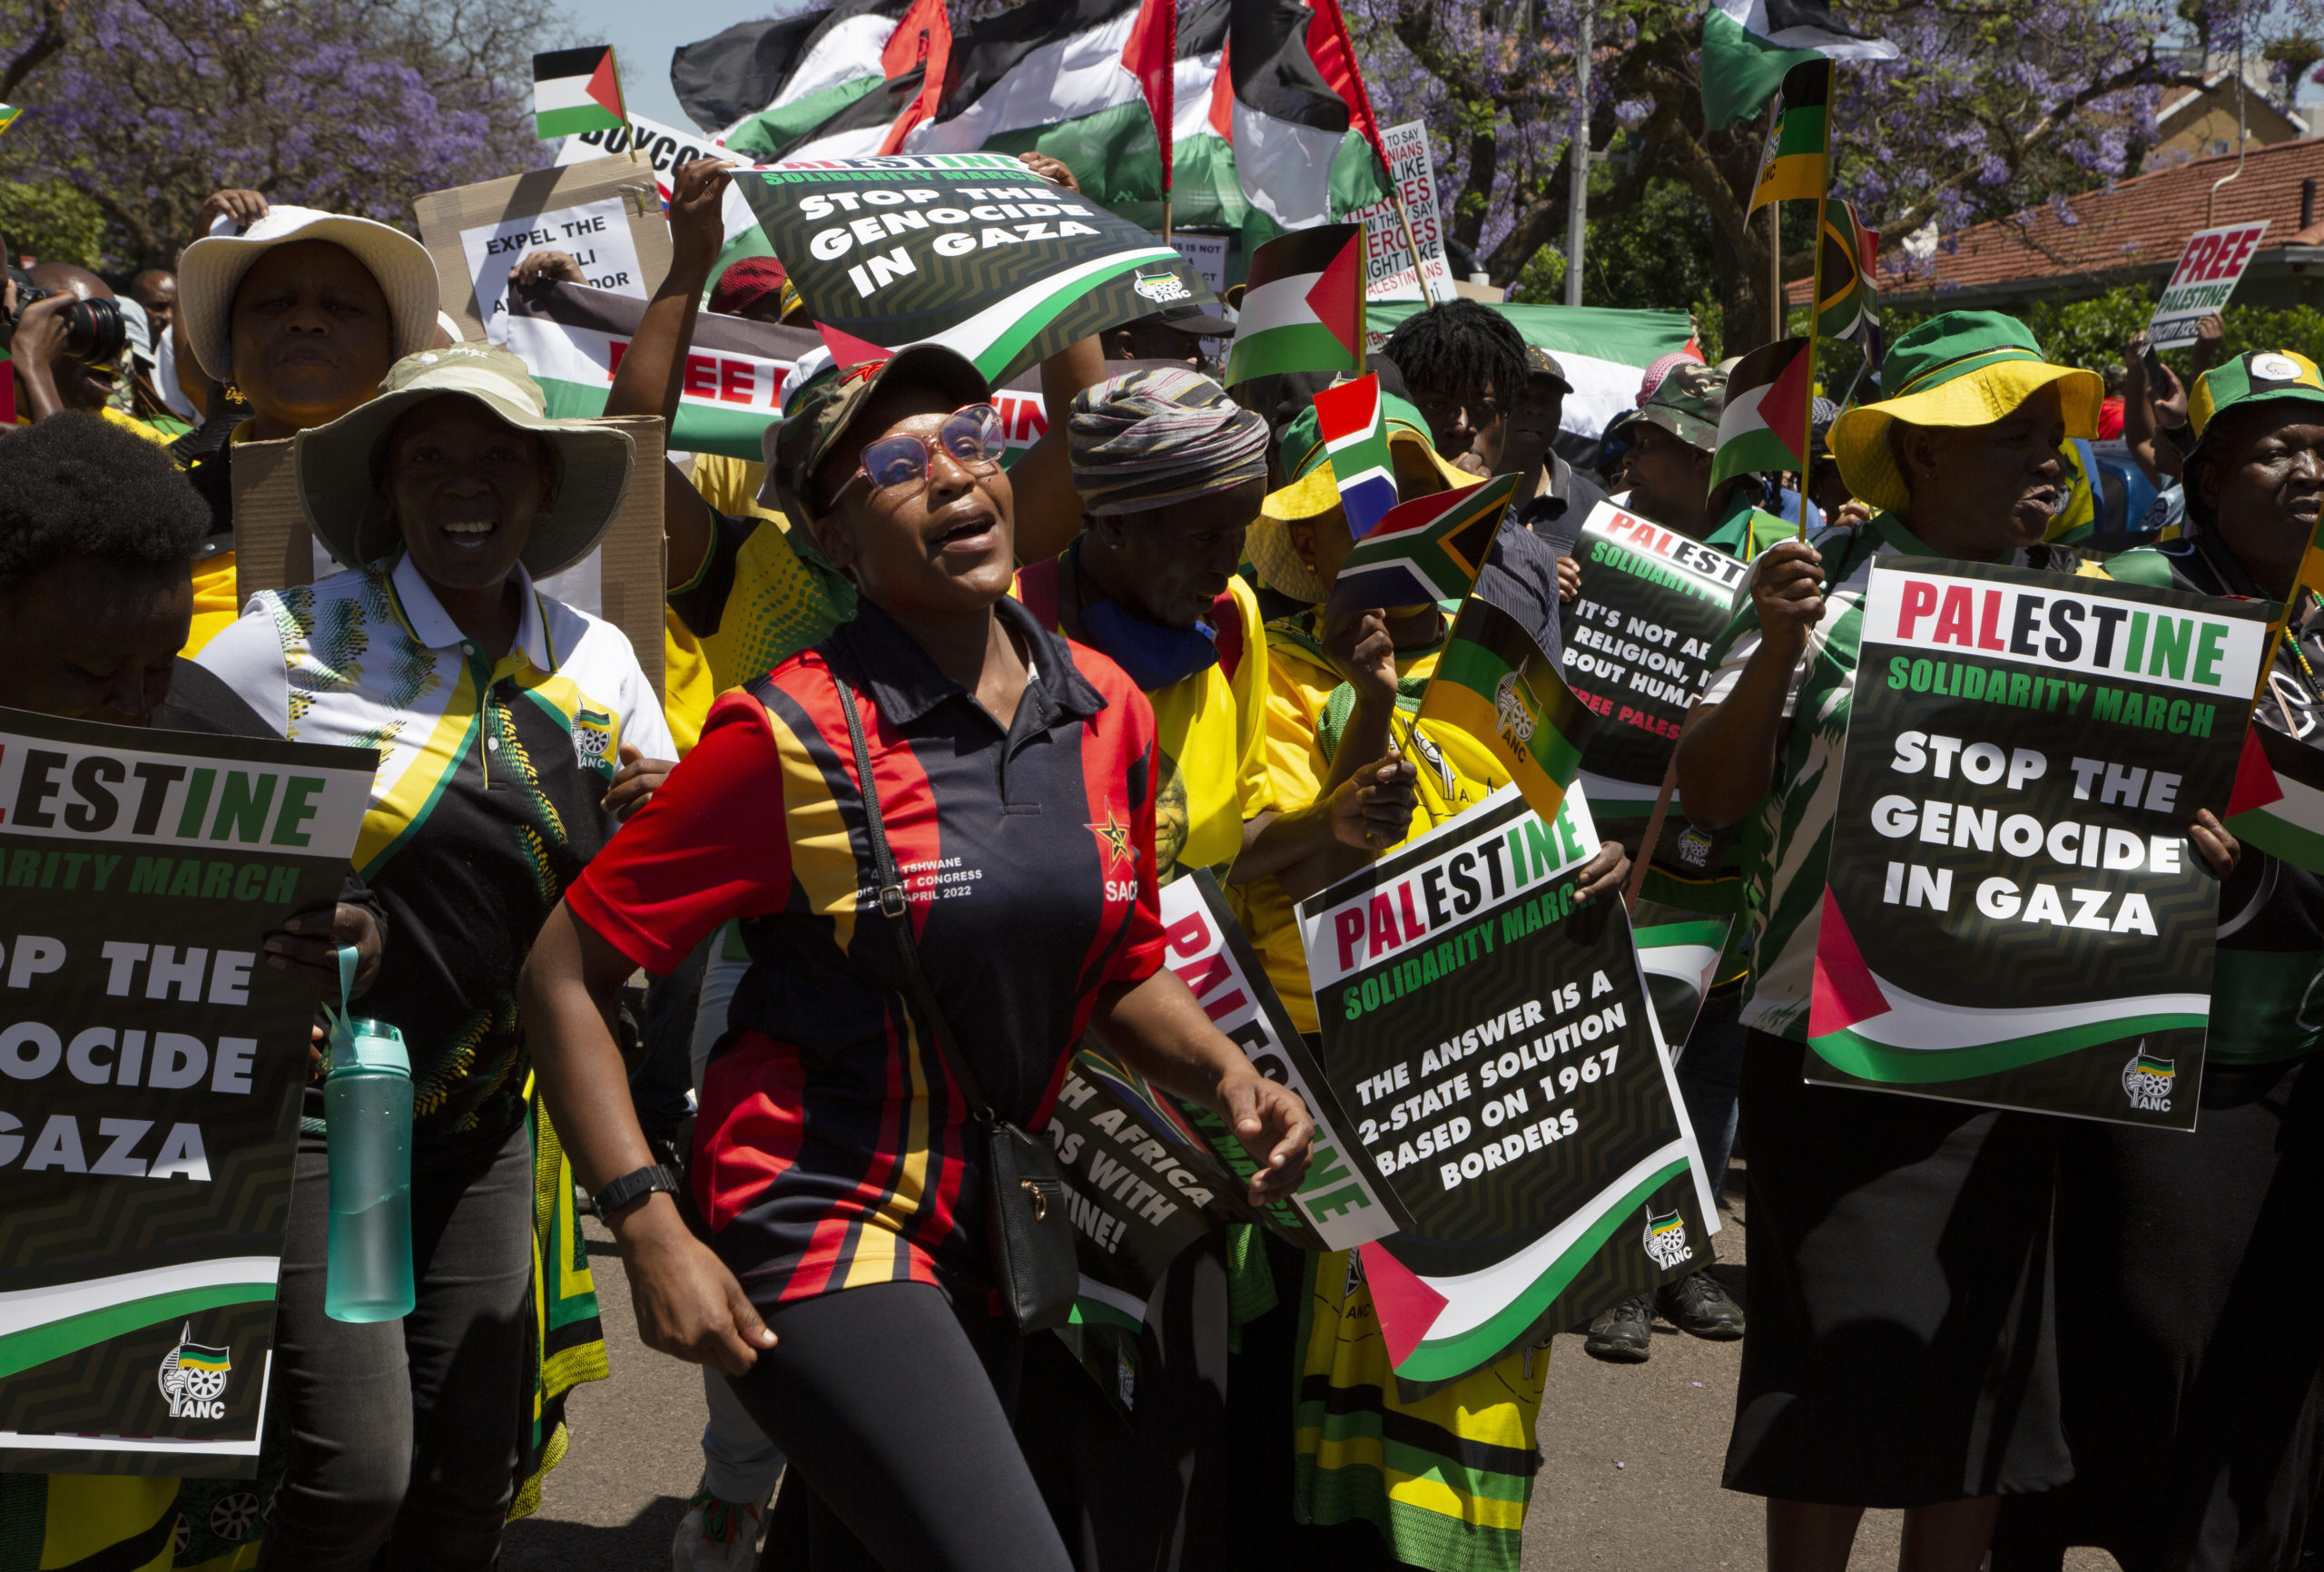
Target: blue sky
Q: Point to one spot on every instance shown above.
(643, 35)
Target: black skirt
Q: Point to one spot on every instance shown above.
(2190, 1330)
(1901, 1351)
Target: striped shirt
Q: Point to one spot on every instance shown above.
(831, 1149)
(484, 807)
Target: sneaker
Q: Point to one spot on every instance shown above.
(1696, 1304)
(717, 1536)
(1624, 1334)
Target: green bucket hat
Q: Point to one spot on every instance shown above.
(334, 466)
(1687, 404)
(2257, 376)
(797, 444)
(1959, 368)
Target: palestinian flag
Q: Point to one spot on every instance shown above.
(1749, 46)
(1850, 306)
(847, 82)
(1354, 423)
(577, 89)
(1766, 418)
(1796, 162)
(1605, 352)
(1493, 683)
(2277, 803)
(1303, 305)
(1427, 549)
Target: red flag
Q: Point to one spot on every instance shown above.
(1151, 55)
(924, 37)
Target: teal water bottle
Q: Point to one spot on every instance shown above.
(366, 1109)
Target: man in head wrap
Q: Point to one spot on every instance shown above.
(1171, 472)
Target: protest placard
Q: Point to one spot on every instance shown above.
(970, 251)
(664, 148)
(573, 337)
(621, 581)
(606, 212)
(153, 1065)
(1492, 1042)
(2207, 271)
(1146, 1175)
(2015, 914)
(1207, 254)
(1387, 259)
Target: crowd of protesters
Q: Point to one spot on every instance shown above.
(2027, 1333)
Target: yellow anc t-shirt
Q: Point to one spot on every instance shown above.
(1209, 730)
(1308, 703)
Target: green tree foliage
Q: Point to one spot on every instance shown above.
(51, 221)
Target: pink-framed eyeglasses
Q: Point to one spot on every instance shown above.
(972, 437)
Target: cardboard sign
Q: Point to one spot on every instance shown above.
(608, 208)
(621, 581)
(153, 1070)
(2014, 914)
(1388, 260)
(2207, 274)
(970, 251)
(1146, 1175)
(1493, 1043)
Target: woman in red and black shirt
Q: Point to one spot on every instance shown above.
(1015, 777)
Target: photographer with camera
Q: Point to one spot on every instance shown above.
(67, 344)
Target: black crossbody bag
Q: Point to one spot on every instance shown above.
(1031, 1237)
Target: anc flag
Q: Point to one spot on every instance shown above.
(8, 112)
(1850, 307)
(1798, 148)
(1493, 683)
(1353, 420)
(1427, 549)
(576, 91)
(1766, 417)
(1302, 308)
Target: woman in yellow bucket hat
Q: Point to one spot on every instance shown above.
(1902, 1350)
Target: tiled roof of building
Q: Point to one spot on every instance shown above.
(2120, 230)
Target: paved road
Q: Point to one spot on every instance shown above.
(1629, 1477)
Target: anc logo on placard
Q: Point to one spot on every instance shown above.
(2146, 1081)
(192, 1379)
(1515, 709)
(1694, 848)
(593, 737)
(1161, 288)
(1666, 1239)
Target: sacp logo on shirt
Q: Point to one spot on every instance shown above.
(1114, 836)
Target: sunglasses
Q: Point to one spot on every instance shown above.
(973, 437)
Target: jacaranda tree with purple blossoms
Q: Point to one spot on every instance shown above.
(1990, 109)
(146, 106)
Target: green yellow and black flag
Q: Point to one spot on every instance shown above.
(1493, 683)
(1850, 307)
(1798, 152)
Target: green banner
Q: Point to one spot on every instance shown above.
(152, 1065)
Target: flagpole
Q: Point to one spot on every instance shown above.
(613, 56)
(1816, 293)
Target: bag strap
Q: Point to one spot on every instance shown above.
(897, 910)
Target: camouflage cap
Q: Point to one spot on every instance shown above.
(1687, 404)
(798, 444)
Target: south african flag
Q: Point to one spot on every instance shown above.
(1427, 549)
(1493, 683)
(1353, 421)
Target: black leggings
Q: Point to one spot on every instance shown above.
(896, 1413)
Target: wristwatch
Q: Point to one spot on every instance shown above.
(635, 1185)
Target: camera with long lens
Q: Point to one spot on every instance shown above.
(94, 333)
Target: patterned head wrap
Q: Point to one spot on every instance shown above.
(1151, 438)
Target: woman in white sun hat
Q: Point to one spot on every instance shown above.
(301, 312)
(514, 734)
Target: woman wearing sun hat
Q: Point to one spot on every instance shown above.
(301, 312)
(2186, 1261)
(513, 733)
(1901, 1351)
